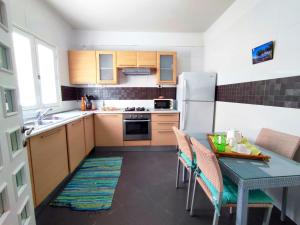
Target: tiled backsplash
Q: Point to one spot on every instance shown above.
(281, 92)
(117, 93)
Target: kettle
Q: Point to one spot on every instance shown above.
(234, 136)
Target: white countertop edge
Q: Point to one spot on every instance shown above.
(82, 114)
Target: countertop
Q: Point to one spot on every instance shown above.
(70, 116)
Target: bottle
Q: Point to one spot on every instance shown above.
(82, 104)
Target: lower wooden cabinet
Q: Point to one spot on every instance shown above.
(108, 129)
(89, 133)
(76, 144)
(162, 132)
(49, 161)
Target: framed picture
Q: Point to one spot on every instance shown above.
(263, 53)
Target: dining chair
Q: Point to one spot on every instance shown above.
(220, 190)
(283, 144)
(186, 158)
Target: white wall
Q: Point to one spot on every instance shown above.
(38, 18)
(189, 48)
(228, 43)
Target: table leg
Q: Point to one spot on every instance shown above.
(183, 174)
(242, 205)
(283, 203)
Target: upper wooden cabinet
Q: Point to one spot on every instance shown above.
(166, 68)
(82, 67)
(106, 67)
(101, 67)
(146, 59)
(126, 59)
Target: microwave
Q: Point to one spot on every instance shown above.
(163, 103)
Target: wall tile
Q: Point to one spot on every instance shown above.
(117, 93)
(281, 92)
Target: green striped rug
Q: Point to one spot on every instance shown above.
(93, 186)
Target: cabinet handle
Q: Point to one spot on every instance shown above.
(166, 123)
(147, 65)
(165, 131)
(126, 65)
(75, 123)
(50, 133)
(166, 115)
(113, 115)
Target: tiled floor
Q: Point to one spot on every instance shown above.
(146, 195)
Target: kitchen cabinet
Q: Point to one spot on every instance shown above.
(89, 135)
(49, 161)
(106, 67)
(109, 129)
(162, 132)
(166, 68)
(82, 67)
(76, 145)
(126, 59)
(146, 59)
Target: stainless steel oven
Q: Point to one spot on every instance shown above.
(136, 126)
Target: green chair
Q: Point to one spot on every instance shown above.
(221, 191)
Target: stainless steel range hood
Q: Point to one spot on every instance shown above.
(136, 71)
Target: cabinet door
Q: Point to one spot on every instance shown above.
(146, 59)
(109, 129)
(49, 160)
(163, 137)
(126, 59)
(82, 67)
(76, 146)
(106, 67)
(162, 132)
(166, 68)
(89, 134)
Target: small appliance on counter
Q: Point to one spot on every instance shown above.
(163, 103)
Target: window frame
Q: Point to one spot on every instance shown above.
(34, 41)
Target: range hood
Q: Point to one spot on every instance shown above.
(136, 71)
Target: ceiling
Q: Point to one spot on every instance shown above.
(141, 15)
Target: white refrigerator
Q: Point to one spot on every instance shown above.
(196, 101)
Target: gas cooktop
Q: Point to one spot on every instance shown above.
(134, 109)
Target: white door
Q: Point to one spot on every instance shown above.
(16, 205)
(194, 86)
(197, 117)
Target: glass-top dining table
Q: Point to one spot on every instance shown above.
(279, 171)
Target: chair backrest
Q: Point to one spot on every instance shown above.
(184, 143)
(281, 143)
(208, 164)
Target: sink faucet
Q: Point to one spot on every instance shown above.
(41, 114)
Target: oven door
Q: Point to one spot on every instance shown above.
(136, 130)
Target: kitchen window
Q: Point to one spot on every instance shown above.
(36, 70)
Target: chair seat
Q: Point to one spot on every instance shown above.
(188, 161)
(230, 192)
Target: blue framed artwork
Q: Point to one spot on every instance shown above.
(263, 53)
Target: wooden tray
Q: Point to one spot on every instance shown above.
(235, 154)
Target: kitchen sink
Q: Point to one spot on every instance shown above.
(52, 118)
(48, 120)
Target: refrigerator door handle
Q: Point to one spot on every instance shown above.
(184, 115)
(184, 88)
